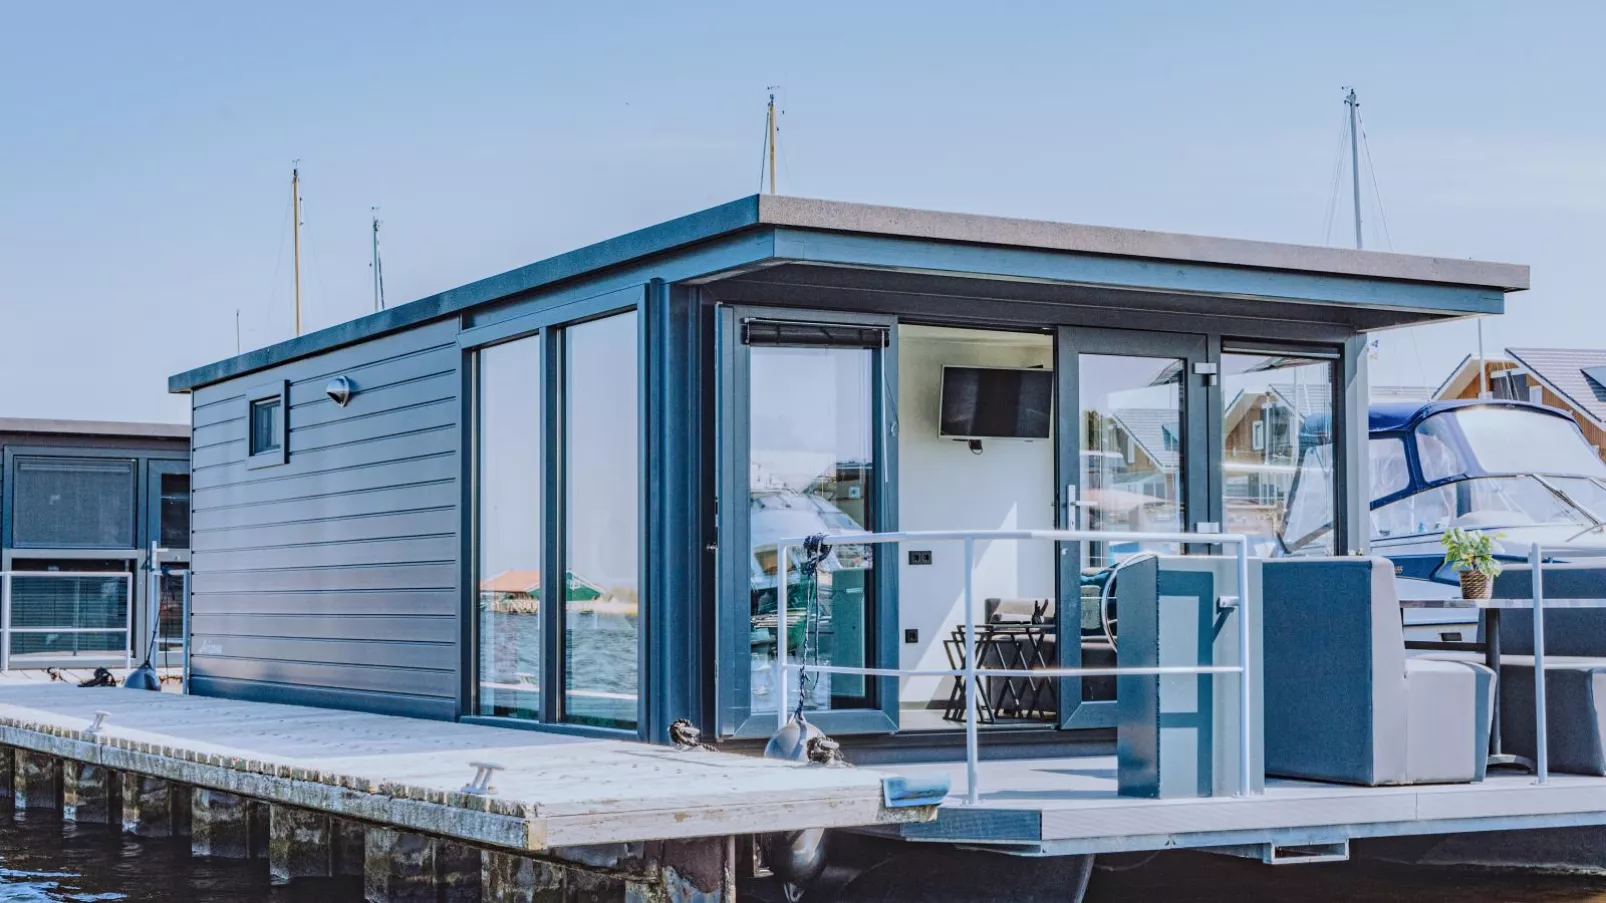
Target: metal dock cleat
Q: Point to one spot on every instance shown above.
(481, 785)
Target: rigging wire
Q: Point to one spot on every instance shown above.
(278, 262)
(1338, 167)
(763, 154)
(1377, 195)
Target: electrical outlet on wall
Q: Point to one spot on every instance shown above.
(911, 635)
(919, 556)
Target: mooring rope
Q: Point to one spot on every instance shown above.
(815, 551)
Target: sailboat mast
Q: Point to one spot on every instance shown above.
(772, 140)
(1355, 161)
(379, 279)
(295, 232)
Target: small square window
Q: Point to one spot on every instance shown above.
(266, 426)
(267, 432)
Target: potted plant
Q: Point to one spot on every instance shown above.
(1472, 554)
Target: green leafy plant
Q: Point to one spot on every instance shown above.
(1471, 551)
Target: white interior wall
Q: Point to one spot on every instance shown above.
(943, 486)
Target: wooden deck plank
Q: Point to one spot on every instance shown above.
(556, 790)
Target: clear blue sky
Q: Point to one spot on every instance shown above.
(146, 147)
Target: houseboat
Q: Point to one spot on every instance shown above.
(94, 532)
(749, 450)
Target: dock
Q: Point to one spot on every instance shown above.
(570, 799)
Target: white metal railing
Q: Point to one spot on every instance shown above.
(8, 629)
(970, 671)
(1536, 554)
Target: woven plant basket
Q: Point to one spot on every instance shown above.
(1476, 586)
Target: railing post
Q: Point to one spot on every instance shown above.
(128, 632)
(780, 635)
(972, 742)
(1541, 729)
(184, 632)
(1246, 697)
(5, 622)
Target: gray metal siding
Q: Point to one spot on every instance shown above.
(333, 579)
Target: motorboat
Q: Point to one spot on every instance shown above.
(1518, 470)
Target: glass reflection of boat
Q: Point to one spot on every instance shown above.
(784, 513)
(835, 634)
(1521, 471)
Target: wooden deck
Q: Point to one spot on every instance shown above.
(556, 791)
(1070, 805)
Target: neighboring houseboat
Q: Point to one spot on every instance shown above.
(83, 505)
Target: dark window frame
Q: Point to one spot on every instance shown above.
(548, 326)
(277, 391)
(13, 463)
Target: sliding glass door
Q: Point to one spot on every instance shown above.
(804, 454)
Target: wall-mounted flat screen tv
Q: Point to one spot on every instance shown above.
(996, 403)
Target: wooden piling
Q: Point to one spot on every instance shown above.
(90, 794)
(399, 867)
(36, 780)
(221, 825)
(153, 807)
(300, 844)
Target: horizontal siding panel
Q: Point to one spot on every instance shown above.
(323, 555)
(422, 603)
(357, 429)
(410, 576)
(389, 629)
(285, 694)
(381, 475)
(426, 375)
(395, 422)
(220, 402)
(350, 360)
(309, 391)
(410, 681)
(348, 505)
(377, 398)
(349, 529)
(431, 656)
(220, 433)
(412, 445)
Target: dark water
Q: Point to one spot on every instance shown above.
(42, 858)
(1204, 878)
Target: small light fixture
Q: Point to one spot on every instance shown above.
(340, 390)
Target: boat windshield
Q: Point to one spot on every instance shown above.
(1503, 440)
(1478, 503)
(1586, 493)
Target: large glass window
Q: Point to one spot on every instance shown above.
(1277, 455)
(811, 470)
(74, 503)
(1131, 451)
(510, 518)
(174, 516)
(601, 610)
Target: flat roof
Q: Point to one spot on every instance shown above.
(119, 428)
(781, 212)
